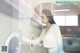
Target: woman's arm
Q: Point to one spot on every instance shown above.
(37, 40)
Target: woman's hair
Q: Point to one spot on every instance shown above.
(49, 16)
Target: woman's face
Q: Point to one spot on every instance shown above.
(44, 19)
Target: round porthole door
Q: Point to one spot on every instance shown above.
(13, 43)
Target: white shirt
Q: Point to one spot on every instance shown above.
(53, 38)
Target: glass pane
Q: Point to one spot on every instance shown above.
(72, 20)
(60, 20)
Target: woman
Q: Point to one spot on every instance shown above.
(52, 39)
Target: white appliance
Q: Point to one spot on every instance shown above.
(71, 43)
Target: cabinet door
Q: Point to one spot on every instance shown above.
(44, 50)
(27, 49)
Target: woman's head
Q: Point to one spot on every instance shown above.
(47, 17)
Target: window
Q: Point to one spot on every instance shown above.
(71, 20)
(60, 20)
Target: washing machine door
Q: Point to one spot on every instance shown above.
(13, 43)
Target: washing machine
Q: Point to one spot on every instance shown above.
(71, 43)
(13, 43)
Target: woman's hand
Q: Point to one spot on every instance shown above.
(34, 37)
